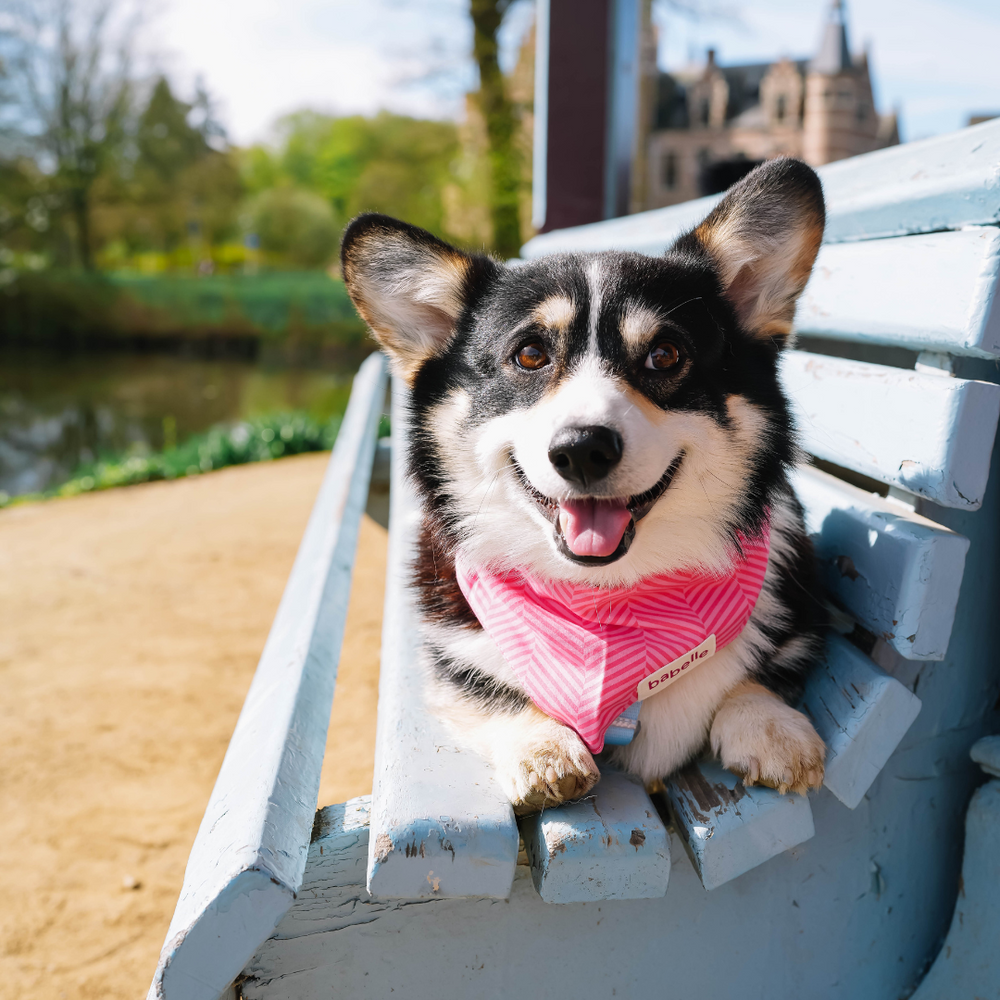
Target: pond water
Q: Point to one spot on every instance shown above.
(60, 410)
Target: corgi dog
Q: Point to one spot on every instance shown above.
(601, 446)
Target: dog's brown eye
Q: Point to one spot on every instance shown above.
(532, 356)
(664, 355)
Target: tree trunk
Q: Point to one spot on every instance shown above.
(501, 124)
(80, 208)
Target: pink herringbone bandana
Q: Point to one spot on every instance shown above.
(584, 654)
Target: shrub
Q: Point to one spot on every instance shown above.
(295, 227)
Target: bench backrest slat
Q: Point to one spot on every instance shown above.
(934, 292)
(898, 573)
(943, 183)
(927, 434)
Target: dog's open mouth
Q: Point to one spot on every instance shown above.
(595, 530)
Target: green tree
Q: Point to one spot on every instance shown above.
(500, 116)
(72, 60)
(167, 143)
(171, 186)
(388, 163)
(295, 226)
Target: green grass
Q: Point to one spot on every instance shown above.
(267, 303)
(304, 309)
(260, 440)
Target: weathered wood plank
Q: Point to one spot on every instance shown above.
(862, 714)
(610, 844)
(928, 434)
(250, 852)
(944, 182)
(941, 183)
(441, 825)
(729, 829)
(898, 573)
(935, 292)
(336, 941)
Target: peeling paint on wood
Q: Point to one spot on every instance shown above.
(862, 714)
(729, 829)
(898, 573)
(610, 844)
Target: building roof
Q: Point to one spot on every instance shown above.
(744, 92)
(834, 55)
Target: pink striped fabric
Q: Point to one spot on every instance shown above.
(581, 652)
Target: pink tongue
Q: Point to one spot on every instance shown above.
(593, 527)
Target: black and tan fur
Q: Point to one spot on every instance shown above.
(704, 453)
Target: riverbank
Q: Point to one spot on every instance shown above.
(61, 412)
(131, 622)
(294, 316)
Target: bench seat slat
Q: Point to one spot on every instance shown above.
(611, 844)
(898, 573)
(729, 829)
(928, 434)
(921, 187)
(862, 714)
(892, 292)
(440, 824)
(248, 858)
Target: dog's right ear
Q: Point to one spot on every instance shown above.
(409, 286)
(763, 238)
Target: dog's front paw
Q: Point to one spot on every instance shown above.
(764, 741)
(542, 774)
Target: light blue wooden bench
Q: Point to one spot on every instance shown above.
(422, 889)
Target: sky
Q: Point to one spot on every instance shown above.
(935, 61)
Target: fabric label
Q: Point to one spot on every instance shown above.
(660, 678)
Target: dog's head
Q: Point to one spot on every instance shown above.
(599, 417)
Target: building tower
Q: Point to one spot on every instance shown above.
(839, 118)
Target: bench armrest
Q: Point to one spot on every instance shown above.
(247, 861)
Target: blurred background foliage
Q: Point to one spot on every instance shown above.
(108, 171)
(130, 223)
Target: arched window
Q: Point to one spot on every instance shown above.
(780, 108)
(705, 115)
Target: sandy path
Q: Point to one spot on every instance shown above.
(130, 625)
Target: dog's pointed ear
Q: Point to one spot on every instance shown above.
(409, 286)
(762, 239)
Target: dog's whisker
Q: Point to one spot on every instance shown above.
(680, 305)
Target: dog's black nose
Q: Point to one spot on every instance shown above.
(584, 455)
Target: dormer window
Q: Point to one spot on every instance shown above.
(780, 108)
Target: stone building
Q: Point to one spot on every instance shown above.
(712, 124)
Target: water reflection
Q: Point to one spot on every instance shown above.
(57, 410)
